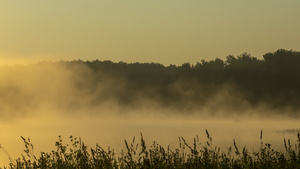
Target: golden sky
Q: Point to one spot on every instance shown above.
(164, 31)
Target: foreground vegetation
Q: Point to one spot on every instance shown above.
(139, 155)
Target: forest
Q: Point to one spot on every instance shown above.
(274, 80)
(237, 83)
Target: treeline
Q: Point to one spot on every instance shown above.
(273, 80)
(237, 83)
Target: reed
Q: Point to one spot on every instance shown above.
(139, 155)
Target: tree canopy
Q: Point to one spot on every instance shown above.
(244, 79)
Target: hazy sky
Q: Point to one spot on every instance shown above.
(164, 31)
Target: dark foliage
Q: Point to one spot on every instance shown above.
(274, 80)
(140, 156)
(235, 83)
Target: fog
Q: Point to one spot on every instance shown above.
(45, 100)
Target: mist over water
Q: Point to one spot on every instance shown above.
(45, 100)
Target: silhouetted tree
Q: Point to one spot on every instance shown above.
(274, 80)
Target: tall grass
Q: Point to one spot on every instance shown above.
(139, 155)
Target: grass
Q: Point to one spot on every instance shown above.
(138, 155)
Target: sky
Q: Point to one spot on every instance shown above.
(161, 31)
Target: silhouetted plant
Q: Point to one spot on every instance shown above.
(138, 155)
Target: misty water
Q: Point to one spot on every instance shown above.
(111, 130)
